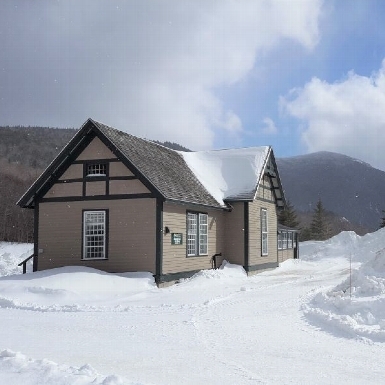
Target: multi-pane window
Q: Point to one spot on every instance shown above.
(264, 232)
(96, 169)
(94, 235)
(197, 234)
(285, 240)
(290, 240)
(280, 241)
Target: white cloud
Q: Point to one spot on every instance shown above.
(270, 127)
(346, 116)
(150, 67)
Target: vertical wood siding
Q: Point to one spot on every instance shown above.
(96, 188)
(96, 150)
(131, 236)
(235, 234)
(127, 187)
(174, 256)
(119, 169)
(74, 171)
(60, 190)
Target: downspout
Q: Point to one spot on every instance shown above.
(35, 236)
(159, 241)
(246, 235)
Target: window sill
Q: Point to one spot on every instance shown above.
(197, 256)
(94, 259)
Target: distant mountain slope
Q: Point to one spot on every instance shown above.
(346, 186)
(349, 188)
(33, 146)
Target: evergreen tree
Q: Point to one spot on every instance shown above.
(319, 226)
(305, 234)
(288, 216)
(382, 224)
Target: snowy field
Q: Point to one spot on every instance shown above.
(308, 322)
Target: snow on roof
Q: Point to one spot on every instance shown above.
(228, 173)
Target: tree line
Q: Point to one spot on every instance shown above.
(320, 227)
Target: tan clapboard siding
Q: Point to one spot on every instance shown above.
(235, 235)
(96, 188)
(255, 257)
(74, 171)
(174, 256)
(96, 150)
(59, 190)
(133, 186)
(283, 255)
(119, 169)
(132, 235)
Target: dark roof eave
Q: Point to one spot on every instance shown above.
(189, 203)
(286, 228)
(234, 200)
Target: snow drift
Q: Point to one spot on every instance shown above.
(357, 305)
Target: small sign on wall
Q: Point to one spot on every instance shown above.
(176, 238)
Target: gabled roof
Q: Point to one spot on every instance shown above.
(208, 178)
(234, 174)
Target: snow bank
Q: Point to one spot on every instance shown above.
(73, 289)
(11, 254)
(357, 305)
(226, 271)
(16, 369)
(346, 244)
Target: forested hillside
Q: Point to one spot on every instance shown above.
(24, 153)
(351, 191)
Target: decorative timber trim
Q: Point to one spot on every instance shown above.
(98, 197)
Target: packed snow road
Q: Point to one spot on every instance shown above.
(220, 327)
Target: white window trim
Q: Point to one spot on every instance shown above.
(290, 240)
(264, 233)
(284, 246)
(280, 241)
(96, 169)
(85, 236)
(199, 236)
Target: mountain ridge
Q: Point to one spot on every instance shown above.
(347, 186)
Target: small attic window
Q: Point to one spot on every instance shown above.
(96, 169)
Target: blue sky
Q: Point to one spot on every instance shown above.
(301, 75)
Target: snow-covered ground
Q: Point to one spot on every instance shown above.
(308, 322)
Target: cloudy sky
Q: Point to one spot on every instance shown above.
(301, 75)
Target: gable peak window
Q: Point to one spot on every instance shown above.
(96, 169)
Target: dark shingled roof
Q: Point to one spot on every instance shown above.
(164, 168)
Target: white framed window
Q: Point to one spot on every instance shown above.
(94, 234)
(203, 234)
(285, 240)
(290, 240)
(280, 241)
(197, 234)
(264, 233)
(96, 169)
